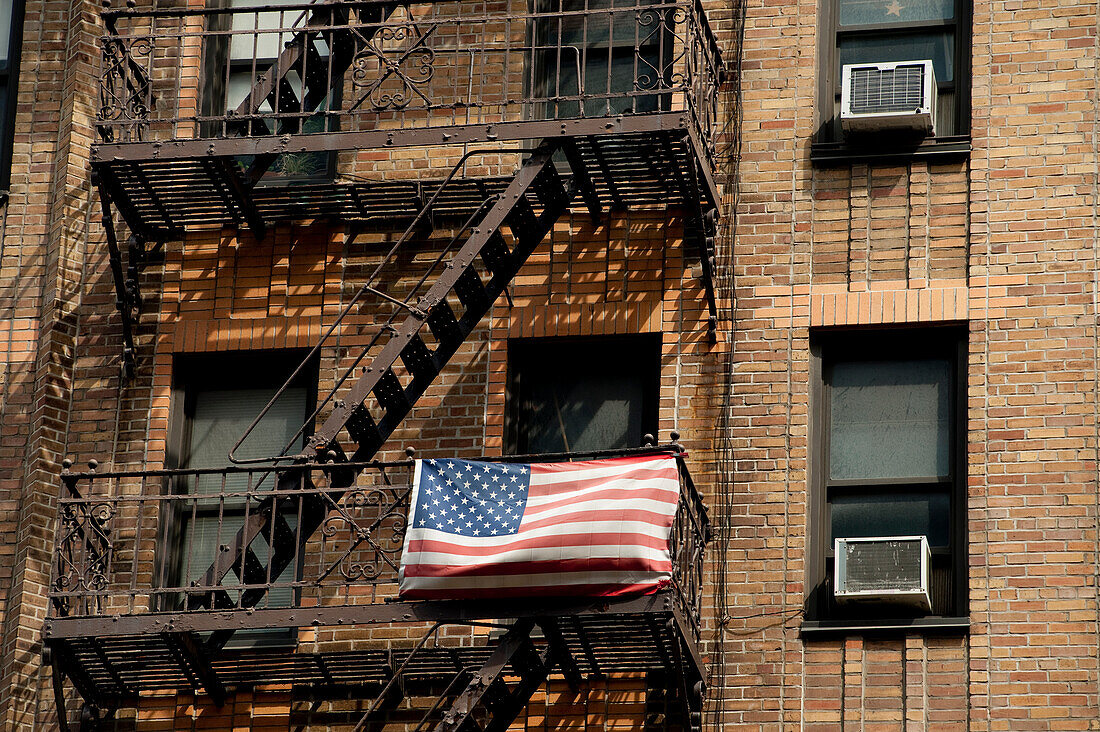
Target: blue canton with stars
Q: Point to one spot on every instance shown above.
(471, 498)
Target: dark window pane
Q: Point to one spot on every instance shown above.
(5, 28)
(618, 52)
(866, 12)
(583, 395)
(939, 47)
(575, 412)
(220, 418)
(614, 81)
(908, 514)
(890, 419)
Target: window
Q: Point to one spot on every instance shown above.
(216, 398)
(11, 40)
(582, 394)
(236, 62)
(868, 31)
(889, 460)
(608, 51)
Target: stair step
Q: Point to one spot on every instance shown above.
(549, 187)
(522, 218)
(445, 327)
(471, 293)
(316, 70)
(361, 427)
(419, 360)
(497, 257)
(390, 394)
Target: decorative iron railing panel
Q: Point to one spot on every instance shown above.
(187, 74)
(140, 542)
(134, 543)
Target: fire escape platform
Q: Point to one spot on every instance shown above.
(114, 659)
(164, 188)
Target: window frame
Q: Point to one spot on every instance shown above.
(191, 374)
(520, 349)
(11, 100)
(821, 616)
(830, 146)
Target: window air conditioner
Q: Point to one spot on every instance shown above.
(892, 569)
(888, 96)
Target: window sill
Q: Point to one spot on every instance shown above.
(815, 629)
(941, 149)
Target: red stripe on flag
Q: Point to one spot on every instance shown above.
(544, 488)
(553, 566)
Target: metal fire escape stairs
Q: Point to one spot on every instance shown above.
(374, 406)
(389, 385)
(476, 699)
(328, 23)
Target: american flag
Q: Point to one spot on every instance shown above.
(591, 528)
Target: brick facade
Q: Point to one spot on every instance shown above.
(1001, 242)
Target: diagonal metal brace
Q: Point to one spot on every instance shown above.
(515, 649)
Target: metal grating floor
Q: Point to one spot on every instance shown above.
(115, 670)
(165, 196)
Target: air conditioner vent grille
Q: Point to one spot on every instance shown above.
(876, 90)
(883, 565)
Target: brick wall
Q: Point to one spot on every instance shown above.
(1005, 241)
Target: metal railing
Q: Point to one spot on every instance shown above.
(132, 543)
(184, 74)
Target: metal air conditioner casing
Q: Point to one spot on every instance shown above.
(891, 569)
(882, 97)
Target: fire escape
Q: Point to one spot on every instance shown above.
(206, 115)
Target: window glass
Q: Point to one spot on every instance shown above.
(219, 418)
(222, 415)
(898, 514)
(890, 419)
(6, 7)
(616, 53)
(237, 65)
(888, 441)
(582, 395)
(572, 412)
(874, 12)
(937, 47)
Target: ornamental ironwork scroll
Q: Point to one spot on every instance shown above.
(657, 29)
(687, 543)
(395, 67)
(125, 88)
(83, 555)
(365, 530)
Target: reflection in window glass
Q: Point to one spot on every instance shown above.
(937, 47)
(903, 514)
(220, 417)
(876, 12)
(890, 419)
(582, 395)
(615, 53)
